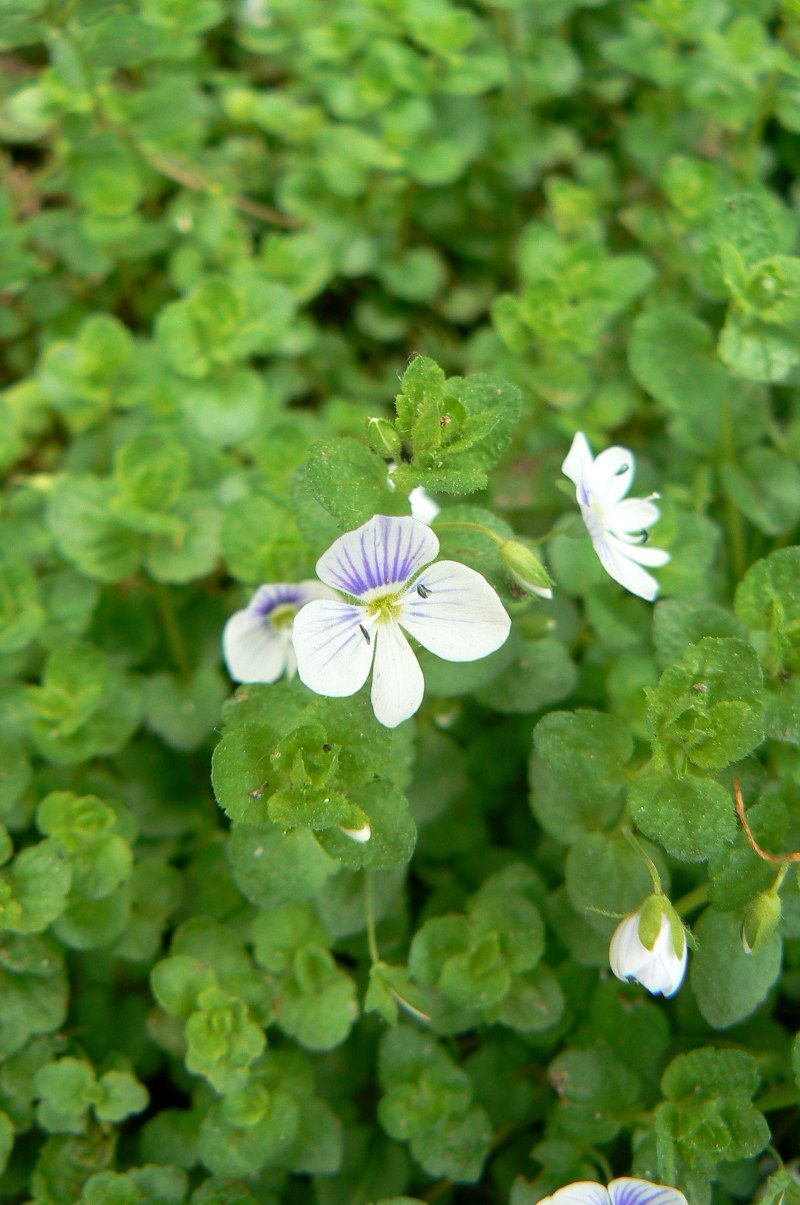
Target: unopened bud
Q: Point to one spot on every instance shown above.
(383, 437)
(761, 919)
(650, 947)
(361, 835)
(526, 569)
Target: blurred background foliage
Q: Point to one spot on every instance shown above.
(225, 228)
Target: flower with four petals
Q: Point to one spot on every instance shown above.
(390, 586)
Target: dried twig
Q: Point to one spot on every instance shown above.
(775, 859)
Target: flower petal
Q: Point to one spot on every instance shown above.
(423, 507)
(253, 650)
(586, 1192)
(626, 571)
(578, 460)
(397, 682)
(611, 475)
(642, 554)
(640, 1192)
(632, 515)
(267, 598)
(386, 551)
(359, 835)
(454, 612)
(334, 646)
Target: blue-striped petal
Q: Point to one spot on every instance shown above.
(453, 612)
(382, 553)
(334, 647)
(584, 1193)
(641, 1192)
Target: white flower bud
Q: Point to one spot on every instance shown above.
(650, 947)
(526, 569)
(361, 835)
(761, 919)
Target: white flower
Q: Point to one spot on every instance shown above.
(659, 968)
(257, 641)
(384, 568)
(617, 525)
(423, 506)
(619, 1192)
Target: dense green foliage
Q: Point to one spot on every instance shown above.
(226, 226)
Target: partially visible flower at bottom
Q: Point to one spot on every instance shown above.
(384, 570)
(617, 525)
(619, 1192)
(257, 641)
(650, 947)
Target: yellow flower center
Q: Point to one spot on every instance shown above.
(283, 616)
(384, 609)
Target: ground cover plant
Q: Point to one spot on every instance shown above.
(468, 873)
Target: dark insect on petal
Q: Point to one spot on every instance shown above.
(423, 591)
(364, 632)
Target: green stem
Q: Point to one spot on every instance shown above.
(463, 523)
(369, 908)
(734, 517)
(648, 861)
(599, 1158)
(736, 534)
(172, 629)
(693, 899)
(782, 1097)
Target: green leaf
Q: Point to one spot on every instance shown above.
(606, 873)
(122, 1096)
(681, 622)
(727, 997)
(692, 817)
(318, 1000)
(768, 603)
(709, 707)
(34, 889)
(261, 541)
(394, 833)
(756, 351)
(87, 532)
(672, 356)
(83, 707)
(151, 471)
(34, 988)
(67, 1089)
(222, 1039)
(192, 549)
(270, 1120)
(577, 772)
(274, 867)
(349, 480)
(542, 673)
(184, 712)
(21, 611)
(708, 1114)
(765, 487)
(595, 1090)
